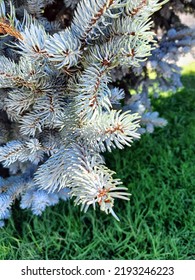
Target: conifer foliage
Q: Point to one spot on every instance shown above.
(59, 108)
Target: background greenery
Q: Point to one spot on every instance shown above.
(159, 220)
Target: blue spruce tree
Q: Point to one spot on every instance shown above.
(59, 108)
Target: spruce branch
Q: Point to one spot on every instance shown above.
(17, 102)
(92, 17)
(97, 187)
(16, 150)
(93, 92)
(117, 95)
(61, 170)
(63, 48)
(24, 74)
(143, 8)
(32, 123)
(111, 130)
(33, 41)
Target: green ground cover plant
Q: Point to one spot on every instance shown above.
(159, 220)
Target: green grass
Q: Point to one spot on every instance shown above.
(159, 220)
